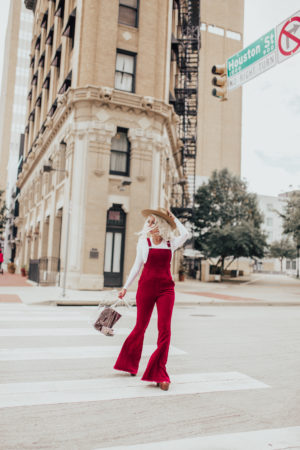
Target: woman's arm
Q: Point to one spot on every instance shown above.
(178, 241)
(136, 266)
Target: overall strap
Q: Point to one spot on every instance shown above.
(149, 243)
(168, 244)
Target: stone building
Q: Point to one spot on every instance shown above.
(102, 136)
(219, 123)
(101, 139)
(13, 109)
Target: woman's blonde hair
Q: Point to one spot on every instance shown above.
(164, 229)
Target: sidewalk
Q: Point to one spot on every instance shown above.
(265, 290)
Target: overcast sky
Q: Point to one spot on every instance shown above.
(271, 105)
(271, 108)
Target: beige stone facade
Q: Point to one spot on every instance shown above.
(101, 139)
(219, 123)
(86, 102)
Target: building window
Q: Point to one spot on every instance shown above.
(125, 71)
(49, 39)
(45, 21)
(69, 30)
(34, 79)
(128, 12)
(46, 83)
(53, 108)
(66, 84)
(56, 60)
(119, 155)
(60, 9)
(269, 221)
(42, 61)
(38, 43)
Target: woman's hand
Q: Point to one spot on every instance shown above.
(170, 215)
(122, 293)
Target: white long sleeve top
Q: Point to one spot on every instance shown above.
(142, 250)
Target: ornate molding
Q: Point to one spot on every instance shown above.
(107, 98)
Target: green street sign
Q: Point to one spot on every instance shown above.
(252, 60)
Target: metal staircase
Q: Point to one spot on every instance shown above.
(186, 99)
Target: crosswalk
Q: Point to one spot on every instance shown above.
(37, 334)
(274, 438)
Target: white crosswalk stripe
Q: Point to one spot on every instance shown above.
(277, 439)
(27, 354)
(119, 387)
(27, 332)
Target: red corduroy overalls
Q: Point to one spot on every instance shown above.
(155, 286)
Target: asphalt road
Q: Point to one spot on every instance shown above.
(234, 372)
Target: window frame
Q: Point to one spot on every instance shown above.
(117, 172)
(137, 10)
(134, 55)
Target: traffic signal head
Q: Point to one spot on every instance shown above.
(220, 81)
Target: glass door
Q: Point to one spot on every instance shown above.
(114, 247)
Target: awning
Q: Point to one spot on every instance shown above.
(38, 43)
(53, 108)
(70, 26)
(49, 39)
(56, 60)
(42, 60)
(45, 20)
(66, 84)
(34, 79)
(59, 12)
(38, 101)
(46, 82)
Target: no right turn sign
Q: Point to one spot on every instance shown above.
(288, 37)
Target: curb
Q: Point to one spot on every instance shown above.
(179, 303)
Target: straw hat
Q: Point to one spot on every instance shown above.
(161, 212)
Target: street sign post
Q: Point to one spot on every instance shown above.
(273, 47)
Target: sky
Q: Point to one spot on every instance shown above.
(271, 105)
(271, 108)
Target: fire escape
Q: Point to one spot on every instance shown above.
(186, 47)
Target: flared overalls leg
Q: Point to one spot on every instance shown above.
(155, 287)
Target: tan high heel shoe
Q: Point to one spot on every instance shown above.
(164, 385)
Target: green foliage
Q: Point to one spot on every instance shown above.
(227, 219)
(282, 249)
(3, 210)
(291, 217)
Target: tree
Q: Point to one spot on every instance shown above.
(282, 249)
(291, 216)
(3, 210)
(227, 220)
(291, 220)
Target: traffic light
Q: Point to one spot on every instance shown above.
(220, 81)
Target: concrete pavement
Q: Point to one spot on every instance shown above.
(262, 289)
(234, 381)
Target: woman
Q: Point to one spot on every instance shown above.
(155, 248)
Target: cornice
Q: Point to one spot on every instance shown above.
(100, 96)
